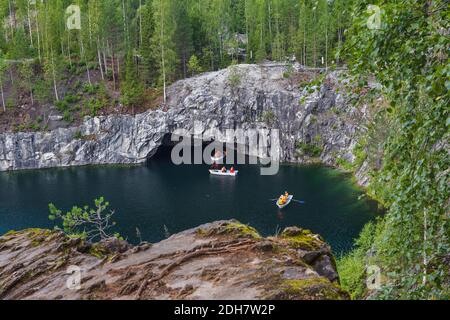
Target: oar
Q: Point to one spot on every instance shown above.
(298, 201)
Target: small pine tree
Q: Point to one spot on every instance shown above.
(132, 88)
(86, 223)
(194, 65)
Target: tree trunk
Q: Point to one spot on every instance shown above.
(162, 52)
(100, 59)
(29, 24)
(38, 37)
(140, 24)
(113, 68)
(304, 41)
(11, 19)
(11, 76)
(326, 50)
(105, 63)
(270, 26)
(125, 33)
(85, 60)
(3, 97)
(425, 239)
(68, 48)
(54, 78)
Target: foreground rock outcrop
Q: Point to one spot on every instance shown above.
(317, 123)
(221, 260)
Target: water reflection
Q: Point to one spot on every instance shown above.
(181, 197)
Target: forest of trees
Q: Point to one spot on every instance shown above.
(153, 42)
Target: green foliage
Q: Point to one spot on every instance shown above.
(194, 65)
(344, 164)
(168, 39)
(352, 267)
(409, 57)
(87, 223)
(93, 105)
(26, 74)
(288, 72)
(234, 77)
(62, 105)
(90, 88)
(313, 150)
(67, 116)
(132, 94)
(132, 89)
(70, 99)
(360, 153)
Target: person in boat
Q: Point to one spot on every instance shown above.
(232, 170)
(224, 170)
(284, 198)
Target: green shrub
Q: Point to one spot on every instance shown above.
(94, 105)
(132, 94)
(360, 153)
(34, 126)
(71, 98)
(67, 116)
(309, 149)
(62, 105)
(90, 88)
(344, 164)
(235, 77)
(10, 102)
(90, 223)
(352, 266)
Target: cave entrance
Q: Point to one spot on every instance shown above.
(234, 154)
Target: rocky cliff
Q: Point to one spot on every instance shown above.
(315, 123)
(221, 260)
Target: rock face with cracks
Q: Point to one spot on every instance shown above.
(221, 260)
(315, 124)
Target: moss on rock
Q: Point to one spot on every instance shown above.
(312, 289)
(98, 251)
(301, 239)
(243, 230)
(233, 228)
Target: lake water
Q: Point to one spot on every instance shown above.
(160, 196)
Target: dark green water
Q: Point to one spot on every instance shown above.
(180, 197)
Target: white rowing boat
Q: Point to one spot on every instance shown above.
(289, 200)
(220, 173)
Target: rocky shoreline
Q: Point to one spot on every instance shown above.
(220, 260)
(316, 124)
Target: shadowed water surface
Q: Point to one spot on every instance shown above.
(181, 197)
